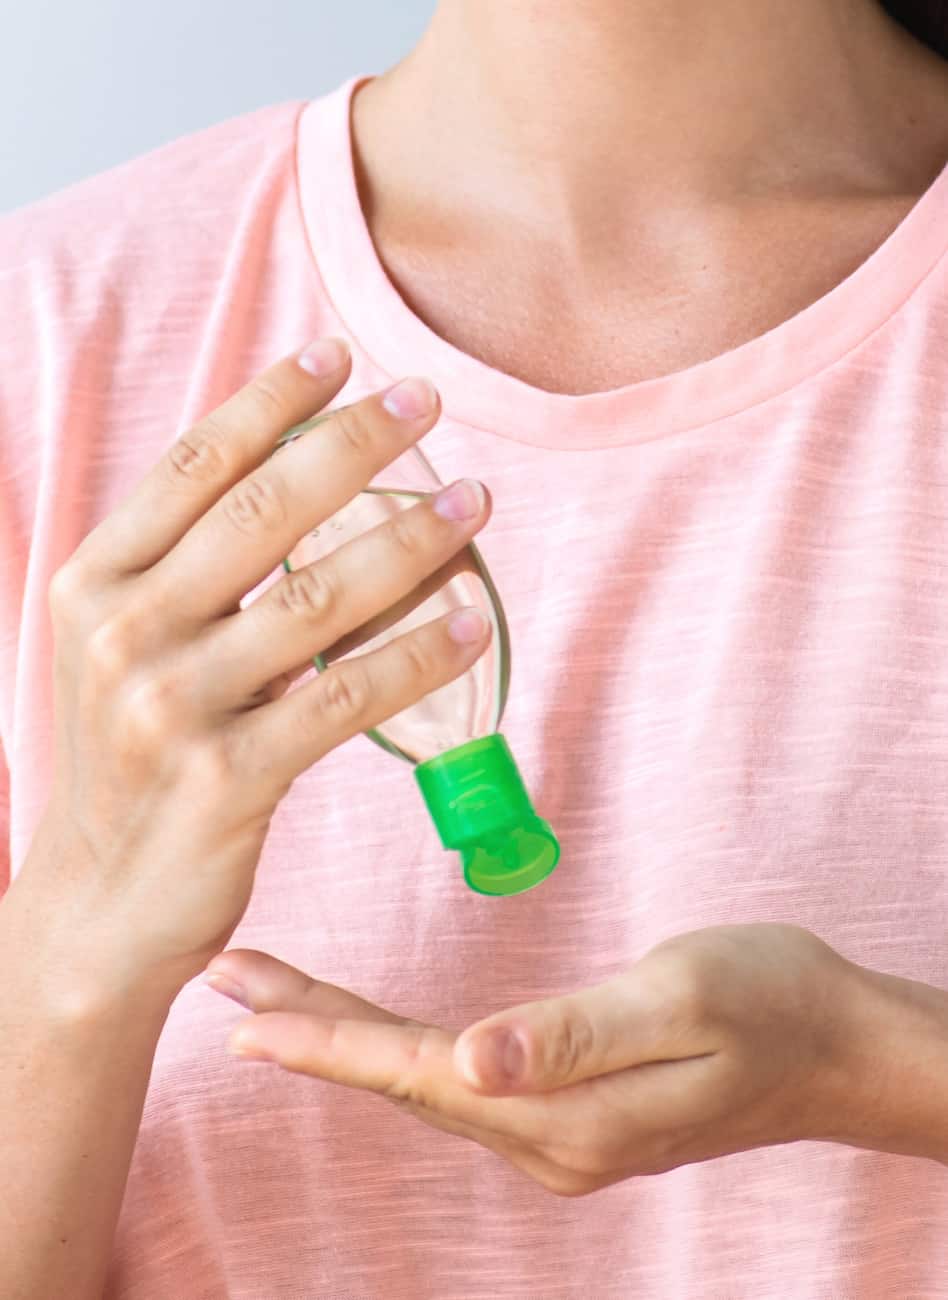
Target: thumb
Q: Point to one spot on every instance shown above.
(545, 1045)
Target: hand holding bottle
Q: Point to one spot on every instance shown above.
(176, 735)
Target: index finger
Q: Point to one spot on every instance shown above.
(408, 1062)
(210, 457)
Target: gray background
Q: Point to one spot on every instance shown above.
(88, 84)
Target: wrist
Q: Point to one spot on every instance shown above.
(895, 1094)
(72, 970)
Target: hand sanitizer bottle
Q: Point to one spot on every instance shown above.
(463, 766)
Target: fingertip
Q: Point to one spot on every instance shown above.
(242, 1042)
(494, 1060)
(415, 398)
(324, 357)
(465, 1063)
(468, 626)
(227, 986)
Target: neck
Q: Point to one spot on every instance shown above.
(556, 112)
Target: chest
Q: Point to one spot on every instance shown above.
(730, 674)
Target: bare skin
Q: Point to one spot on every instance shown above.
(638, 187)
(583, 202)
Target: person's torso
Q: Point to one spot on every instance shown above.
(728, 695)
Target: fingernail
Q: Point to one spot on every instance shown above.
(467, 625)
(462, 500)
(240, 1045)
(230, 988)
(410, 399)
(496, 1059)
(324, 356)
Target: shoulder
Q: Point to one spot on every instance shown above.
(153, 205)
(107, 288)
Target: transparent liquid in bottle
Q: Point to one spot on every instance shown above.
(465, 770)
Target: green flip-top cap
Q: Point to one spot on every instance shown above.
(480, 806)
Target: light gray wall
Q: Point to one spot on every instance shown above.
(87, 84)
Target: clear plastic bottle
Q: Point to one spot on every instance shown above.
(463, 766)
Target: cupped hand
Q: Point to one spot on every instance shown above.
(717, 1041)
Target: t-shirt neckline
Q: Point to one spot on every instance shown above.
(473, 393)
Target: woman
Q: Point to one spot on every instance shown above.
(669, 278)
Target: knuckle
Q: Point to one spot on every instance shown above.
(254, 505)
(210, 765)
(110, 648)
(271, 405)
(66, 589)
(153, 710)
(417, 663)
(354, 429)
(685, 980)
(343, 695)
(200, 454)
(404, 535)
(572, 1042)
(409, 1088)
(307, 592)
(690, 990)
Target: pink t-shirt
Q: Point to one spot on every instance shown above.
(728, 598)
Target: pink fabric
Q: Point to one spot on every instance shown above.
(728, 599)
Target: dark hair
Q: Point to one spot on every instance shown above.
(926, 19)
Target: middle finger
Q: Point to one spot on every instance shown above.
(312, 608)
(406, 1062)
